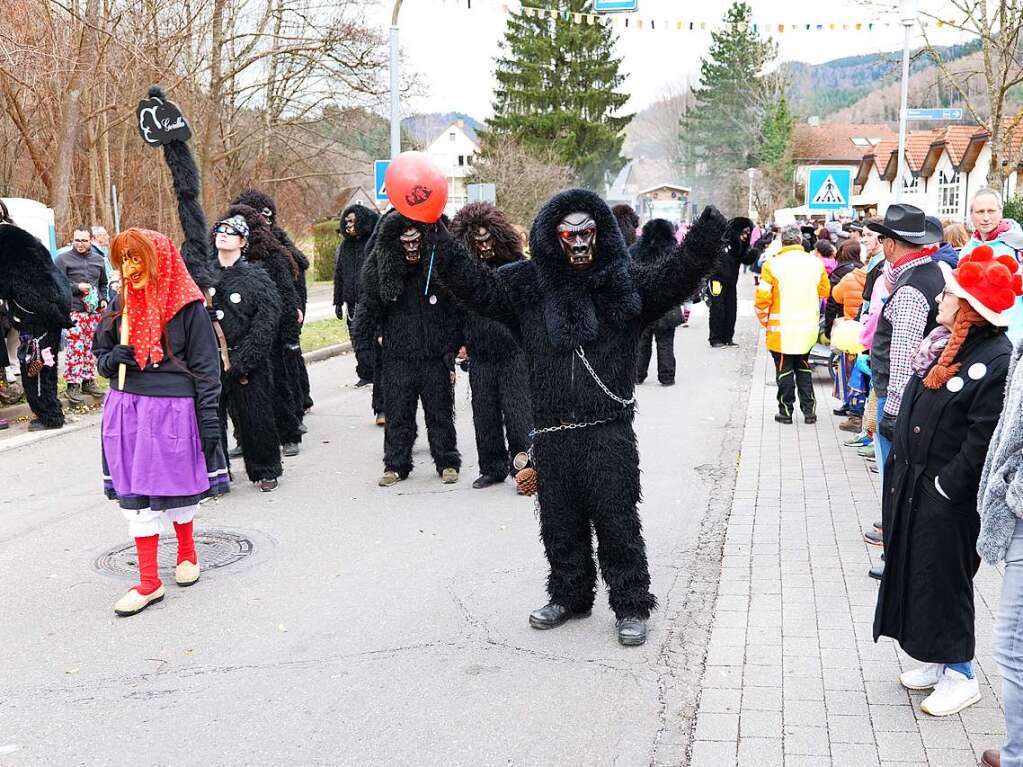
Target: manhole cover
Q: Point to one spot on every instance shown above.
(216, 548)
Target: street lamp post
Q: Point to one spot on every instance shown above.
(907, 14)
(395, 72)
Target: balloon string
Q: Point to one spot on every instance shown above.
(429, 272)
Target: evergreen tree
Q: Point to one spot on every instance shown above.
(556, 92)
(776, 154)
(722, 131)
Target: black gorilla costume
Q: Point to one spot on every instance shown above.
(266, 252)
(299, 265)
(39, 298)
(348, 261)
(723, 307)
(248, 307)
(656, 243)
(628, 222)
(420, 325)
(497, 367)
(584, 450)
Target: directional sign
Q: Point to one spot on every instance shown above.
(611, 6)
(379, 169)
(934, 114)
(829, 188)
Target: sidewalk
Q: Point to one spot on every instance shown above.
(792, 674)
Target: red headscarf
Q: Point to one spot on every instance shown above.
(150, 309)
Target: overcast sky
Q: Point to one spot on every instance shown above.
(453, 47)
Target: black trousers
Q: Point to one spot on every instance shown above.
(500, 409)
(793, 374)
(41, 391)
(589, 479)
(665, 340)
(407, 383)
(365, 356)
(250, 406)
(723, 310)
(286, 394)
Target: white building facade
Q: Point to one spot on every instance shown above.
(455, 152)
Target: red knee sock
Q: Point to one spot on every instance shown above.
(149, 575)
(186, 543)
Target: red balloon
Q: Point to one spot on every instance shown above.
(416, 187)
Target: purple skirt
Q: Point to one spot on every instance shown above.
(152, 454)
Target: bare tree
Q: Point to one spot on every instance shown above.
(998, 24)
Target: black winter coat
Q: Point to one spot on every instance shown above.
(350, 256)
(926, 597)
(406, 305)
(248, 307)
(553, 310)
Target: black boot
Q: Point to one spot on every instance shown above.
(552, 615)
(486, 480)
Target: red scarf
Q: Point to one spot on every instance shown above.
(929, 250)
(1002, 228)
(151, 308)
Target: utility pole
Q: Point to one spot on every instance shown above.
(395, 78)
(907, 14)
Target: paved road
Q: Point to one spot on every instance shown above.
(321, 302)
(369, 626)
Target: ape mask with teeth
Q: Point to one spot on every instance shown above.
(411, 243)
(577, 233)
(483, 243)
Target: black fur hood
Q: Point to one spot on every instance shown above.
(628, 222)
(388, 258)
(39, 295)
(655, 242)
(576, 303)
(258, 200)
(365, 221)
(262, 243)
(468, 220)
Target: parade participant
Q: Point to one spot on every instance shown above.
(723, 284)
(578, 308)
(160, 436)
(85, 270)
(264, 204)
(356, 226)
(265, 251)
(657, 242)
(949, 411)
(39, 299)
(497, 367)
(1003, 235)
(628, 222)
(418, 326)
(248, 307)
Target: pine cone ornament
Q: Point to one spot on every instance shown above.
(526, 481)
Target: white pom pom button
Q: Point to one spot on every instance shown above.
(955, 384)
(220, 314)
(977, 371)
(236, 298)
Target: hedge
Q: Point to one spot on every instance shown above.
(325, 242)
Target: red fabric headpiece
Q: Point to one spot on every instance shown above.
(994, 282)
(151, 308)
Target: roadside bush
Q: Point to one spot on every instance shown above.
(325, 242)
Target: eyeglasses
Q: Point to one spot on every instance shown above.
(225, 229)
(80, 241)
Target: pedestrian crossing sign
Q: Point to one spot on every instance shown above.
(379, 171)
(829, 188)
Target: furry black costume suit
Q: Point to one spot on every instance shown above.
(420, 325)
(266, 252)
(723, 307)
(628, 222)
(348, 261)
(248, 307)
(588, 475)
(299, 265)
(656, 243)
(497, 367)
(39, 300)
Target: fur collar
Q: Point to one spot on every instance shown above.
(389, 258)
(577, 303)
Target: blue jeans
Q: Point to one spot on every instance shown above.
(1008, 649)
(881, 445)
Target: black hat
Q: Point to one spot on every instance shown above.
(907, 223)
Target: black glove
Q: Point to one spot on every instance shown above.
(339, 311)
(886, 427)
(123, 354)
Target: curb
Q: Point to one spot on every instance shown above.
(22, 410)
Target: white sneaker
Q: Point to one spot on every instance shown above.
(923, 678)
(951, 695)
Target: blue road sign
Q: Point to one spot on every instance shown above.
(609, 6)
(829, 188)
(379, 169)
(934, 114)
